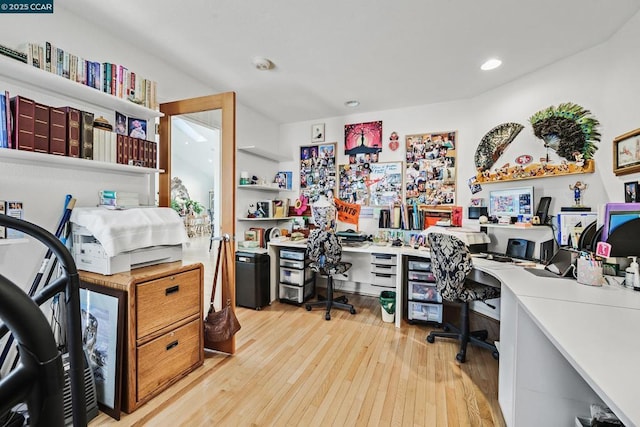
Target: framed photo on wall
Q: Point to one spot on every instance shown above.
(626, 153)
(102, 312)
(317, 132)
(363, 138)
(631, 192)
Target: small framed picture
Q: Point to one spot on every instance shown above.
(317, 132)
(631, 192)
(626, 153)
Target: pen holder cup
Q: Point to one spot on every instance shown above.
(590, 272)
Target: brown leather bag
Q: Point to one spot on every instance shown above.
(220, 325)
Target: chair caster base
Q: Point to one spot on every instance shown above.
(327, 316)
(495, 355)
(431, 339)
(352, 311)
(460, 357)
(308, 307)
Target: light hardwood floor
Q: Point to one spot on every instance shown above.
(294, 368)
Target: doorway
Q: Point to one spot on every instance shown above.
(206, 108)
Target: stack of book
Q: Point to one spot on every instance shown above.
(110, 199)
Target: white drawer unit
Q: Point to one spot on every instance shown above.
(383, 270)
(424, 302)
(425, 311)
(296, 279)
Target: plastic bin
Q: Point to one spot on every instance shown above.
(388, 305)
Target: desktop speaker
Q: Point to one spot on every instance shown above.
(520, 248)
(543, 210)
(476, 212)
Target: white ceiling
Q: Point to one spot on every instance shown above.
(386, 54)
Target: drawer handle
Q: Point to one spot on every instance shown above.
(388, 267)
(383, 275)
(172, 345)
(172, 290)
(382, 256)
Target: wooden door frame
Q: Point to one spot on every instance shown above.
(226, 102)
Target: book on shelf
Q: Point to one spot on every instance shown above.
(86, 135)
(73, 131)
(23, 111)
(41, 128)
(9, 118)
(57, 131)
(114, 194)
(260, 236)
(14, 208)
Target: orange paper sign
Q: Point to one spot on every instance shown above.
(347, 212)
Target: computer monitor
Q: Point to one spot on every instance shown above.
(511, 202)
(616, 214)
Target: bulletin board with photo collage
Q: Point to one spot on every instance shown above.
(371, 184)
(318, 170)
(430, 172)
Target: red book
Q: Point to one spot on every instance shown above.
(57, 131)
(41, 128)
(145, 154)
(119, 147)
(23, 111)
(73, 131)
(154, 155)
(125, 150)
(136, 149)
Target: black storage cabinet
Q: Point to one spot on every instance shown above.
(252, 279)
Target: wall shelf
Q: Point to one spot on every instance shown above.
(259, 152)
(260, 187)
(43, 159)
(21, 73)
(287, 218)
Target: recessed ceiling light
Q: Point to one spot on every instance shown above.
(491, 64)
(352, 104)
(263, 64)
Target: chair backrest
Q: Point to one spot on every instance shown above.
(324, 247)
(450, 264)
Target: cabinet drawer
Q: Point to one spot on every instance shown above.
(164, 301)
(297, 294)
(384, 269)
(292, 254)
(425, 311)
(420, 291)
(294, 277)
(383, 279)
(387, 259)
(168, 356)
(420, 265)
(425, 276)
(291, 263)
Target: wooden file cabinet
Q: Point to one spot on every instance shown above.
(163, 334)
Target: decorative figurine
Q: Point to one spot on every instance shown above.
(578, 188)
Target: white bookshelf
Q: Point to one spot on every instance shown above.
(259, 187)
(259, 152)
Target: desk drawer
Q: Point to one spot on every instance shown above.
(383, 279)
(419, 291)
(164, 301)
(424, 276)
(166, 357)
(299, 265)
(424, 311)
(298, 255)
(294, 277)
(387, 259)
(297, 294)
(384, 269)
(420, 265)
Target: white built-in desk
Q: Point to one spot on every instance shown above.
(563, 346)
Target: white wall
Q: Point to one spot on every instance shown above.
(42, 188)
(600, 79)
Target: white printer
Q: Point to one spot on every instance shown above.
(112, 241)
